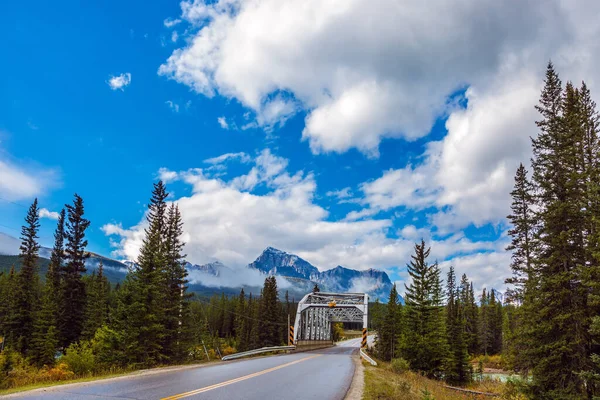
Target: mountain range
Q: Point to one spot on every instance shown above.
(339, 279)
(295, 275)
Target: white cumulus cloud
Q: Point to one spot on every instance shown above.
(223, 122)
(45, 213)
(119, 81)
(166, 175)
(364, 71)
(468, 175)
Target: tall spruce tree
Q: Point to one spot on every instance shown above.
(96, 310)
(269, 314)
(241, 322)
(458, 370)
(6, 294)
(126, 319)
(555, 321)
(45, 338)
(44, 341)
(490, 323)
(8, 306)
(27, 282)
(591, 272)
(522, 219)
(225, 316)
(72, 313)
(424, 344)
(140, 307)
(376, 314)
(389, 331)
(254, 340)
(471, 312)
(495, 320)
(53, 276)
(176, 301)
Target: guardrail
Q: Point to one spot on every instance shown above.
(257, 351)
(366, 357)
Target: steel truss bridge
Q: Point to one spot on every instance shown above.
(317, 311)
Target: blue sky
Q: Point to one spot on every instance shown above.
(354, 135)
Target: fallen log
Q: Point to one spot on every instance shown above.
(472, 391)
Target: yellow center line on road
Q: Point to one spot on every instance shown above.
(242, 378)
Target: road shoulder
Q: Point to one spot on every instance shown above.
(357, 386)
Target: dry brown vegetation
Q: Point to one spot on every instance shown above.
(382, 383)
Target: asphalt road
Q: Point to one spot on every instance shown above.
(320, 374)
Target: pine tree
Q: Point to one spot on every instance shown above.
(522, 232)
(44, 341)
(45, 333)
(286, 311)
(225, 316)
(72, 315)
(486, 322)
(176, 301)
(241, 321)
(96, 310)
(458, 370)
(389, 331)
(591, 273)
(126, 319)
(27, 282)
(269, 314)
(7, 296)
(510, 331)
(495, 324)
(471, 313)
(424, 344)
(254, 339)
(316, 289)
(141, 311)
(53, 276)
(555, 322)
(376, 313)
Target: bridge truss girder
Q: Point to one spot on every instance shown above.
(317, 311)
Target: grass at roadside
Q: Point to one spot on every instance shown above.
(382, 383)
(44, 384)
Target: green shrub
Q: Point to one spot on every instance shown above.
(399, 365)
(80, 358)
(107, 348)
(6, 365)
(515, 389)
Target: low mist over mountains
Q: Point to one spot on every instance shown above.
(294, 274)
